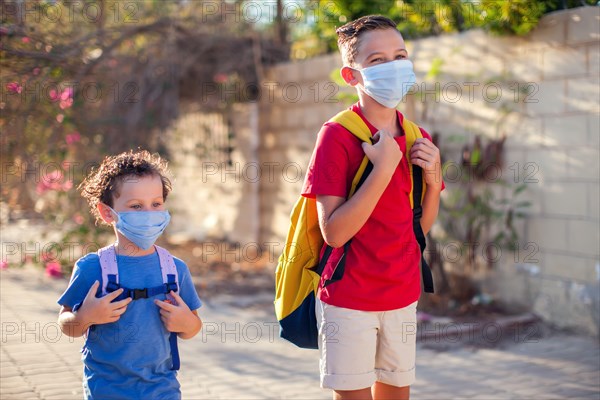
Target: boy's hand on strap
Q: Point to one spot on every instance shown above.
(100, 310)
(178, 317)
(426, 155)
(385, 154)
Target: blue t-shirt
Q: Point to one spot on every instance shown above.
(129, 358)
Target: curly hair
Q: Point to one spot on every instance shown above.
(350, 33)
(102, 184)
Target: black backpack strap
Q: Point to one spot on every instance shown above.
(417, 214)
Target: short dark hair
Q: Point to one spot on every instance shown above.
(103, 183)
(349, 34)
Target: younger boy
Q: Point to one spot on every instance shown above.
(127, 351)
(367, 320)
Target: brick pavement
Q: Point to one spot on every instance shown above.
(238, 356)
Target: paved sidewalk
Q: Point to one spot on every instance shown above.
(238, 356)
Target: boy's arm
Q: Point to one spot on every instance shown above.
(339, 219)
(193, 327)
(179, 318)
(431, 205)
(93, 311)
(70, 324)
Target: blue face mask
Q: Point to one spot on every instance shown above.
(389, 82)
(142, 227)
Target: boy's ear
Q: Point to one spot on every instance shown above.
(105, 213)
(349, 75)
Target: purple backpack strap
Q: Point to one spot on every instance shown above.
(167, 267)
(169, 274)
(108, 265)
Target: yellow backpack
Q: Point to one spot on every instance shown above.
(299, 270)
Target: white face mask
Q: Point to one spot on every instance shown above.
(389, 82)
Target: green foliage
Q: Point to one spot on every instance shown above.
(77, 86)
(485, 215)
(419, 18)
(511, 17)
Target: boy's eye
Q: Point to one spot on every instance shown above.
(136, 206)
(376, 59)
(157, 204)
(400, 57)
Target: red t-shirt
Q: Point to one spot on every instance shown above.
(383, 265)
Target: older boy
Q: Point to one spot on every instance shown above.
(367, 319)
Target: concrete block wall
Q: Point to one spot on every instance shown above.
(304, 99)
(211, 199)
(566, 227)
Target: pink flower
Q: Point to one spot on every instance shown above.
(54, 95)
(66, 103)
(36, 71)
(67, 94)
(47, 256)
(3, 265)
(54, 180)
(73, 138)
(14, 87)
(54, 176)
(25, 39)
(78, 218)
(68, 185)
(53, 269)
(220, 77)
(60, 118)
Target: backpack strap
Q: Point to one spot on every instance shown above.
(417, 192)
(109, 272)
(171, 281)
(110, 276)
(110, 283)
(412, 133)
(355, 124)
(109, 268)
(168, 270)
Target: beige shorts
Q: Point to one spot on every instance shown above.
(359, 348)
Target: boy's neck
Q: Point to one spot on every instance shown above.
(380, 117)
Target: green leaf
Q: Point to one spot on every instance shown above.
(520, 188)
(521, 204)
